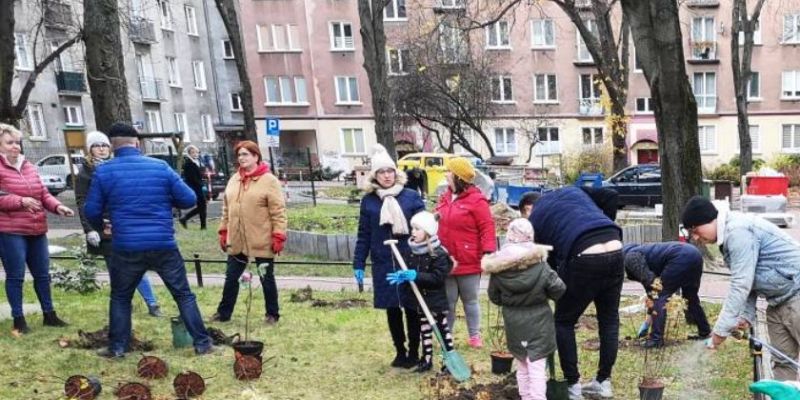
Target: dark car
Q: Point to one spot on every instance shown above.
(218, 178)
(638, 185)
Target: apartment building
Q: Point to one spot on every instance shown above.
(172, 57)
(305, 63)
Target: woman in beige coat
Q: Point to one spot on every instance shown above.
(253, 225)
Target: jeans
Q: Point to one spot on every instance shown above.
(230, 292)
(593, 278)
(694, 311)
(466, 287)
(126, 270)
(15, 252)
(144, 288)
(783, 325)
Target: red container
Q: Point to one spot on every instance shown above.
(768, 185)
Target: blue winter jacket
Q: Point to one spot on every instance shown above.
(370, 244)
(560, 217)
(678, 264)
(139, 193)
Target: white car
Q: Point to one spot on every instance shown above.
(56, 164)
(54, 184)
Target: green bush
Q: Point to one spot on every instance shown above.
(83, 279)
(725, 172)
(789, 165)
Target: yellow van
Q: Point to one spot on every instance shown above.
(433, 165)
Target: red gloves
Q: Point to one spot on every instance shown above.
(278, 239)
(223, 240)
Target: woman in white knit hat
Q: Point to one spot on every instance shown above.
(98, 149)
(385, 211)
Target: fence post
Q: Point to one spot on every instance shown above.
(198, 269)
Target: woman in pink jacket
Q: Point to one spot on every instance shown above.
(23, 228)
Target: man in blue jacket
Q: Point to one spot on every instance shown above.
(138, 193)
(680, 266)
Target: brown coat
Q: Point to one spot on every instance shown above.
(253, 214)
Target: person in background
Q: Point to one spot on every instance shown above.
(385, 211)
(98, 148)
(23, 229)
(466, 229)
(193, 176)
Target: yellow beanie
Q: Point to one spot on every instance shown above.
(462, 168)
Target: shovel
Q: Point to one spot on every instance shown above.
(452, 360)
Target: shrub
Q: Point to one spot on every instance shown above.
(590, 159)
(789, 165)
(83, 279)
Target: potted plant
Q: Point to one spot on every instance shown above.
(496, 337)
(248, 347)
(657, 359)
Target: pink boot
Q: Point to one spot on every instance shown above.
(475, 341)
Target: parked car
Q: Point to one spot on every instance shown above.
(218, 178)
(54, 184)
(638, 185)
(432, 164)
(56, 164)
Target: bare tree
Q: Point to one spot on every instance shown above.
(659, 46)
(742, 29)
(42, 55)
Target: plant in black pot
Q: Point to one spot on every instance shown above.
(502, 359)
(657, 359)
(248, 347)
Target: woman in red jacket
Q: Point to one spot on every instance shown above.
(23, 228)
(466, 230)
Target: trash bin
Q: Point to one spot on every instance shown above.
(705, 189)
(723, 190)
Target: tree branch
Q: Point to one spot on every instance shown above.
(30, 83)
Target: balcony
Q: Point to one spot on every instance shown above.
(57, 15)
(702, 3)
(70, 83)
(583, 5)
(152, 90)
(547, 147)
(141, 31)
(589, 107)
(703, 52)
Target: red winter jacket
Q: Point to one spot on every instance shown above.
(466, 229)
(16, 184)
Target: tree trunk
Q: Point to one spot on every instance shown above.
(230, 18)
(104, 63)
(659, 44)
(7, 57)
(618, 125)
(373, 36)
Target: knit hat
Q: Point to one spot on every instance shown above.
(425, 221)
(462, 168)
(380, 159)
(95, 138)
(519, 230)
(121, 129)
(698, 211)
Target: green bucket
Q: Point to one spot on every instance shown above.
(180, 336)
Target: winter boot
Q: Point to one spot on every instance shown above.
(400, 360)
(20, 325)
(51, 319)
(154, 310)
(424, 366)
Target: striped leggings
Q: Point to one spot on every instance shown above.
(426, 331)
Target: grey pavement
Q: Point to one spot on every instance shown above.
(5, 310)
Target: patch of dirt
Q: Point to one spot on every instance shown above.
(79, 387)
(302, 295)
(99, 339)
(340, 304)
(188, 384)
(443, 387)
(247, 368)
(587, 322)
(133, 391)
(151, 367)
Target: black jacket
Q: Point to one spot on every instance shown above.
(82, 183)
(432, 269)
(193, 176)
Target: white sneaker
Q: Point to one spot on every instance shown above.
(575, 392)
(595, 388)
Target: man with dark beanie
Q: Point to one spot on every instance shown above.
(764, 261)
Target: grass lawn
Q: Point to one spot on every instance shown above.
(314, 353)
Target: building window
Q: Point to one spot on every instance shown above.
(277, 38)
(790, 86)
(468, 137)
(548, 141)
(505, 141)
(755, 139)
(347, 90)
(153, 118)
(791, 28)
(545, 88)
(451, 3)
(454, 47)
(754, 87)
(174, 72)
(644, 105)
(583, 50)
(708, 138)
(790, 140)
(199, 71)
(704, 38)
(704, 85)
(589, 101)
(543, 35)
(395, 10)
(285, 90)
(73, 116)
(342, 36)
(399, 61)
(191, 20)
(180, 126)
(227, 50)
(637, 65)
(501, 90)
(236, 102)
(35, 118)
(64, 61)
(756, 35)
(166, 14)
(208, 127)
(24, 59)
(592, 136)
(353, 141)
(497, 36)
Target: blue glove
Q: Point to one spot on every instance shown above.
(359, 275)
(643, 329)
(398, 277)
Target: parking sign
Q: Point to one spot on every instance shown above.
(273, 132)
